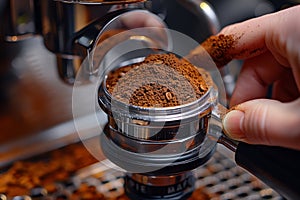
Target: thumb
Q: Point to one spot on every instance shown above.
(264, 121)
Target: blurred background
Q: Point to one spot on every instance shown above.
(36, 103)
(33, 99)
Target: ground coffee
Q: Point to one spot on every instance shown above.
(161, 80)
(218, 47)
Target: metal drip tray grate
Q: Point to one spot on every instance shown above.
(219, 179)
(222, 179)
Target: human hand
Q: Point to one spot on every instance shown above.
(270, 48)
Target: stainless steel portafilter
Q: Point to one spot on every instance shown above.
(159, 147)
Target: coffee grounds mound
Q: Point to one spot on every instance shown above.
(161, 80)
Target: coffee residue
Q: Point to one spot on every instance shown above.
(218, 47)
(161, 80)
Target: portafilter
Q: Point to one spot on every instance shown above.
(159, 147)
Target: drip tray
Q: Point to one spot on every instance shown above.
(219, 179)
(72, 173)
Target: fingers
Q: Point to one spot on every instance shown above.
(256, 76)
(253, 37)
(249, 37)
(266, 122)
(269, 46)
(242, 40)
(285, 88)
(272, 32)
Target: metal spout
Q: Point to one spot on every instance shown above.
(69, 33)
(73, 37)
(70, 28)
(20, 18)
(80, 45)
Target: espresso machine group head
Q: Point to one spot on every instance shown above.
(70, 29)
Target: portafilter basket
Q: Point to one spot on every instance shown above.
(159, 147)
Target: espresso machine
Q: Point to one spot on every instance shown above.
(44, 45)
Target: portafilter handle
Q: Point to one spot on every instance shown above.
(278, 167)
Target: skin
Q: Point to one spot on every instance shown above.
(270, 48)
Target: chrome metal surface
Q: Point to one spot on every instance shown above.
(20, 22)
(68, 66)
(37, 106)
(158, 181)
(69, 32)
(93, 42)
(229, 143)
(63, 25)
(101, 2)
(219, 179)
(202, 9)
(146, 123)
(67, 29)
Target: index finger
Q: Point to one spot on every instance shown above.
(244, 40)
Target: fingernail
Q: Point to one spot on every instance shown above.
(232, 124)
